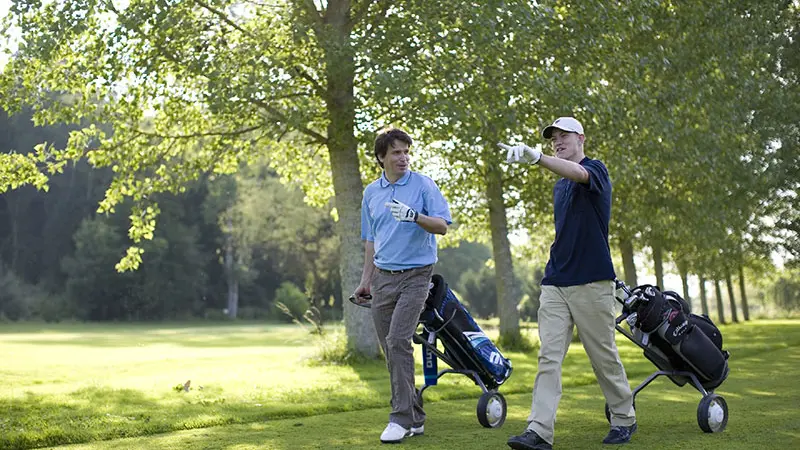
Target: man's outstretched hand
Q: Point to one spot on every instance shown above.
(521, 153)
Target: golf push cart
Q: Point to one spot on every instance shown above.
(465, 348)
(685, 347)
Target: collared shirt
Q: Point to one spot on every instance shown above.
(580, 252)
(402, 245)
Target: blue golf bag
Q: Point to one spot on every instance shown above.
(466, 349)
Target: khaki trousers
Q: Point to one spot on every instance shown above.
(397, 302)
(590, 307)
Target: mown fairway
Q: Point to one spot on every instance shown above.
(252, 386)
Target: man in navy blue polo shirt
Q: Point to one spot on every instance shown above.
(400, 214)
(577, 288)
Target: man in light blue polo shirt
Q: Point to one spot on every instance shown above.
(401, 213)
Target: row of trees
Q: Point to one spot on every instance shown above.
(246, 232)
(239, 244)
(224, 236)
(693, 107)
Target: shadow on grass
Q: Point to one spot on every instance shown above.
(97, 414)
(763, 381)
(666, 416)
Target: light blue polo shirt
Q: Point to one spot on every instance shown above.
(402, 245)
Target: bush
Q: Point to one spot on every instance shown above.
(253, 313)
(215, 314)
(517, 343)
(295, 301)
(20, 300)
(14, 303)
(479, 292)
(529, 308)
(332, 350)
(51, 307)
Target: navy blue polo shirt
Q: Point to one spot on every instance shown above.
(580, 252)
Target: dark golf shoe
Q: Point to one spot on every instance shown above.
(620, 434)
(528, 440)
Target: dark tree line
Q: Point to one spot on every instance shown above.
(58, 255)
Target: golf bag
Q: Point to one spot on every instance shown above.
(465, 344)
(467, 350)
(685, 341)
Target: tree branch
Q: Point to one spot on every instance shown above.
(274, 112)
(314, 14)
(197, 135)
(302, 73)
(359, 13)
(224, 18)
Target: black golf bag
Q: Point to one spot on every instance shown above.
(684, 341)
(466, 349)
(685, 347)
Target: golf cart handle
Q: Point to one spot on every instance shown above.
(365, 301)
(631, 301)
(619, 284)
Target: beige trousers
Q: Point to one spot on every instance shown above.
(590, 307)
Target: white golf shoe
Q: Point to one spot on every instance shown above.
(394, 434)
(418, 431)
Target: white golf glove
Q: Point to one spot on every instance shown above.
(402, 212)
(521, 153)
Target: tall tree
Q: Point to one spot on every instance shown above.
(743, 294)
(217, 82)
(720, 306)
(703, 297)
(629, 266)
(731, 296)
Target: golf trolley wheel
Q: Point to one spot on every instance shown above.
(492, 409)
(608, 411)
(712, 413)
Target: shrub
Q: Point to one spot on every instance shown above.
(253, 313)
(332, 349)
(517, 343)
(293, 299)
(14, 303)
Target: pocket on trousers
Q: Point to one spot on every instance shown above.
(603, 296)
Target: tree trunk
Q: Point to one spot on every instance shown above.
(658, 264)
(233, 297)
(628, 264)
(720, 307)
(731, 297)
(507, 290)
(13, 220)
(230, 272)
(743, 294)
(684, 271)
(703, 296)
(345, 171)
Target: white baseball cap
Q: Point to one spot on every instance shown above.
(569, 124)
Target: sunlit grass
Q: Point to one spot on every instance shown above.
(74, 383)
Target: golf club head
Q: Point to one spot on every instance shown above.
(362, 301)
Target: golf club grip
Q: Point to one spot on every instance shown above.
(366, 297)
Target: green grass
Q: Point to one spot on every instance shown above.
(113, 386)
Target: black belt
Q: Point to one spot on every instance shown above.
(393, 272)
